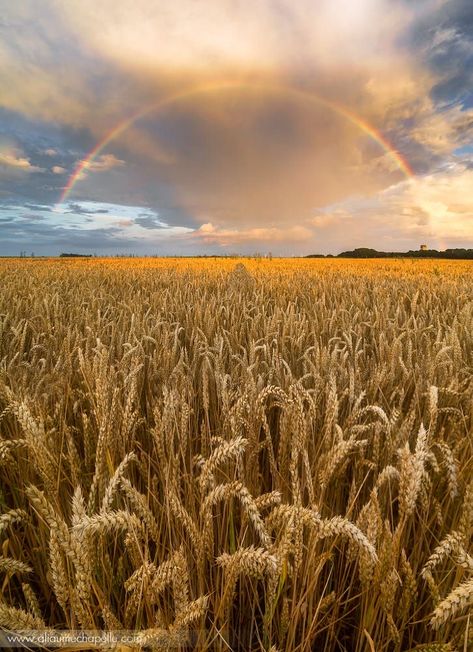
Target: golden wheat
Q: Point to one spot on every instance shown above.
(249, 455)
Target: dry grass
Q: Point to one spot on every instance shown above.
(271, 457)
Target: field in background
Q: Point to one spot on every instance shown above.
(244, 454)
(263, 264)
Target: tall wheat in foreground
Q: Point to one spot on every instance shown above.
(273, 457)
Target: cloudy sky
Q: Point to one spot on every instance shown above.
(289, 126)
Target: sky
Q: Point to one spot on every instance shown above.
(235, 126)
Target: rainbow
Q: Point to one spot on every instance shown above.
(307, 96)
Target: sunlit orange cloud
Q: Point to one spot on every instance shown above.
(163, 46)
(434, 208)
(13, 160)
(222, 34)
(210, 234)
(104, 162)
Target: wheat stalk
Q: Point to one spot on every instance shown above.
(460, 598)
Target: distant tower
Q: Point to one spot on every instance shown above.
(423, 247)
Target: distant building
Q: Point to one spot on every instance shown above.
(423, 247)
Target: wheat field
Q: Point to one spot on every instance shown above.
(238, 454)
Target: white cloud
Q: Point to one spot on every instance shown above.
(57, 169)
(92, 215)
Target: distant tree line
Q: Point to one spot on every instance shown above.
(75, 256)
(366, 252)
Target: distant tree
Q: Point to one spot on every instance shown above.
(366, 252)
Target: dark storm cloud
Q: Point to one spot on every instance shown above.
(38, 207)
(45, 143)
(44, 146)
(77, 209)
(149, 221)
(443, 37)
(96, 239)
